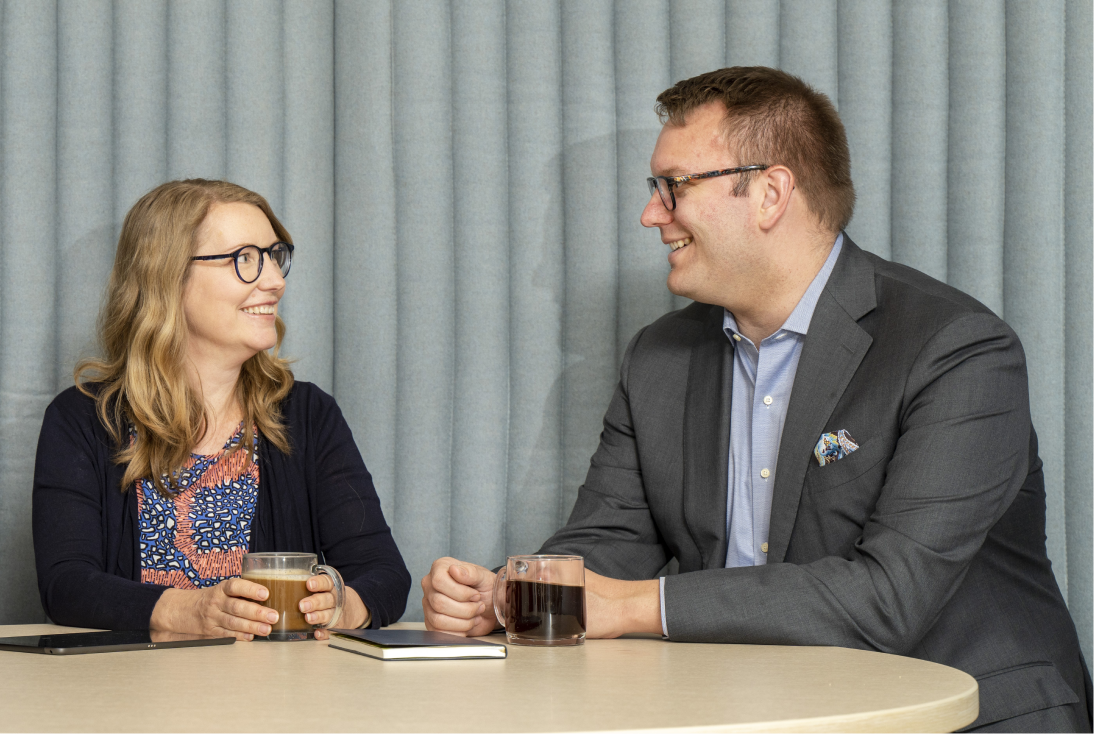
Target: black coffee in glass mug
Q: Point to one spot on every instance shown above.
(541, 600)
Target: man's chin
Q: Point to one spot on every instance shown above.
(677, 287)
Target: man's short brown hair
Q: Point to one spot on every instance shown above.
(775, 118)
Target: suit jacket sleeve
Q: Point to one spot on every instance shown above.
(960, 459)
(611, 524)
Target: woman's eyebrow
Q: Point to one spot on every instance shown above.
(232, 248)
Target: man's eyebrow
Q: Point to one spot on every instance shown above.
(671, 172)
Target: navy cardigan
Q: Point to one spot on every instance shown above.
(319, 499)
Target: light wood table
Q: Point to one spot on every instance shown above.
(626, 684)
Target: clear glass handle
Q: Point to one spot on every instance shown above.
(499, 580)
(339, 596)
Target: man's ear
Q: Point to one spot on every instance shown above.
(778, 184)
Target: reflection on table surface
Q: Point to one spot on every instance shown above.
(640, 682)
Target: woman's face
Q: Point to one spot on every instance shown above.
(230, 321)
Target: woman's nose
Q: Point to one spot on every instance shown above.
(271, 278)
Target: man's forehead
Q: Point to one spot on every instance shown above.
(699, 141)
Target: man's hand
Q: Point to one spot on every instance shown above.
(459, 598)
(614, 607)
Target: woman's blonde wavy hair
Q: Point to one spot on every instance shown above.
(140, 381)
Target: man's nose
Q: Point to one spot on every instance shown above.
(655, 214)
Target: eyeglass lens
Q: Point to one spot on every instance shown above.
(249, 261)
(662, 187)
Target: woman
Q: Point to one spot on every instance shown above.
(190, 444)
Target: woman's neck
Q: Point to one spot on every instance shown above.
(216, 385)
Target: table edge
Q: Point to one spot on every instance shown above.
(961, 709)
(957, 711)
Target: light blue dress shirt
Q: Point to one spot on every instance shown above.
(762, 381)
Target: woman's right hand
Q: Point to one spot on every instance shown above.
(224, 610)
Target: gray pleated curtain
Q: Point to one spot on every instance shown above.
(463, 181)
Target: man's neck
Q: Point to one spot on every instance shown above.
(768, 305)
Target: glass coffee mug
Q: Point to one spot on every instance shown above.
(540, 600)
(285, 576)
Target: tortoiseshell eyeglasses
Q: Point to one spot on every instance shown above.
(664, 185)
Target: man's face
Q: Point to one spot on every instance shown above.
(710, 228)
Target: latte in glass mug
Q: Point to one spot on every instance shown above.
(285, 576)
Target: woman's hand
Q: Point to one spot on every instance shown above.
(319, 607)
(224, 610)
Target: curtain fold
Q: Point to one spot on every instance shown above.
(866, 108)
(1078, 307)
(919, 143)
(1033, 234)
(28, 277)
(976, 150)
(463, 181)
(425, 285)
(480, 186)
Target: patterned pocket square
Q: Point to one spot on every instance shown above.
(834, 446)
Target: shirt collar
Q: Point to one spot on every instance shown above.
(799, 318)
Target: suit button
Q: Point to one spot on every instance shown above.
(764, 547)
(765, 473)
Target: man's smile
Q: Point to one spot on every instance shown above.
(679, 243)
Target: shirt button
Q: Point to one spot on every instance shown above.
(764, 547)
(765, 473)
(737, 337)
(768, 400)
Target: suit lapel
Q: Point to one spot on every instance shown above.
(833, 350)
(706, 440)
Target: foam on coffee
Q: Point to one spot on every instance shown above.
(277, 574)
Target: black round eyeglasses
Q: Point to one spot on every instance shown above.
(248, 259)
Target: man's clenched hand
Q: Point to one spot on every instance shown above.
(459, 598)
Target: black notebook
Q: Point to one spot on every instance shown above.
(414, 645)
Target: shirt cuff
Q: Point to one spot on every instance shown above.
(664, 624)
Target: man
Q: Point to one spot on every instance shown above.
(836, 449)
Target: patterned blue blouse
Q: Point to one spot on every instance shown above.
(198, 538)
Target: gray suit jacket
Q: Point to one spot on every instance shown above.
(927, 541)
